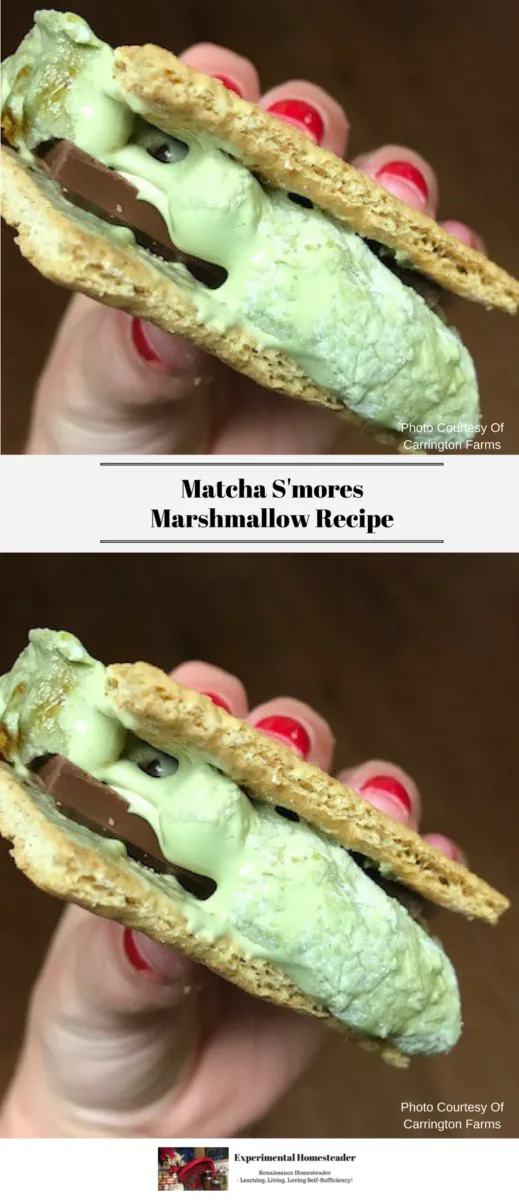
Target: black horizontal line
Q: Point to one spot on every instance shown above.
(226, 463)
(270, 541)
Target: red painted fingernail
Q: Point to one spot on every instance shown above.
(389, 785)
(287, 730)
(228, 83)
(142, 344)
(163, 351)
(217, 700)
(302, 114)
(405, 171)
(133, 953)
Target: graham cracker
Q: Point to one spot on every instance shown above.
(174, 96)
(166, 714)
(73, 864)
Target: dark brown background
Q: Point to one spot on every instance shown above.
(411, 658)
(438, 75)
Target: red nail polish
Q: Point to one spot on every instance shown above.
(141, 342)
(389, 785)
(228, 83)
(302, 114)
(218, 701)
(133, 953)
(407, 171)
(287, 730)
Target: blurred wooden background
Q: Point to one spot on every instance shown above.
(437, 75)
(410, 658)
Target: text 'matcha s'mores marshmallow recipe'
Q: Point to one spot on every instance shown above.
(135, 179)
(140, 800)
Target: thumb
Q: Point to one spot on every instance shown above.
(113, 385)
(112, 1033)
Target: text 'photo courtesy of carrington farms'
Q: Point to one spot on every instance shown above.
(192, 193)
(282, 825)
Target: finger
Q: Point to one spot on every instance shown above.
(250, 1040)
(310, 109)
(447, 847)
(113, 1028)
(404, 173)
(298, 726)
(465, 234)
(261, 422)
(115, 385)
(388, 788)
(236, 73)
(227, 691)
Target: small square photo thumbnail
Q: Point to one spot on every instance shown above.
(193, 1169)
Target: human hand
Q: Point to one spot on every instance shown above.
(127, 1038)
(116, 385)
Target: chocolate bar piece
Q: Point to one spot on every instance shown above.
(98, 807)
(99, 190)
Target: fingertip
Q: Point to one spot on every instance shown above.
(388, 788)
(157, 962)
(117, 970)
(98, 394)
(465, 234)
(297, 726)
(235, 72)
(224, 689)
(405, 174)
(447, 847)
(163, 351)
(311, 109)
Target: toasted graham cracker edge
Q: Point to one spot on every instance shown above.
(69, 252)
(60, 864)
(166, 713)
(172, 93)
